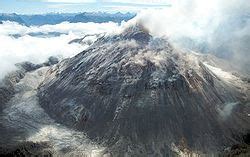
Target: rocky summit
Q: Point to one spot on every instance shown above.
(138, 95)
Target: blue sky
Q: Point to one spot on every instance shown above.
(47, 6)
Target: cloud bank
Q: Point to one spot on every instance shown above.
(36, 48)
(221, 27)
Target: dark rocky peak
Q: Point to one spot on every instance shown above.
(143, 38)
(137, 32)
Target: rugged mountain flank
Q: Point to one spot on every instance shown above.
(12, 105)
(139, 96)
(12, 17)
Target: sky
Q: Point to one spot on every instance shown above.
(219, 25)
(74, 6)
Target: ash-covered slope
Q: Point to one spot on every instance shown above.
(139, 96)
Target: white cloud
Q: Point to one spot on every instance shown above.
(64, 27)
(218, 26)
(34, 49)
(38, 49)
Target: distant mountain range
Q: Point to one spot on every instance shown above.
(11, 17)
(101, 17)
(54, 18)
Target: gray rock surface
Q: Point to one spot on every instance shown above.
(139, 96)
(28, 130)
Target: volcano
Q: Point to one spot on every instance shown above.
(138, 95)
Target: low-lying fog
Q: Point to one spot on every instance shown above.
(35, 44)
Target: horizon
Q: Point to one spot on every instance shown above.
(31, 7)
(72, 13)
